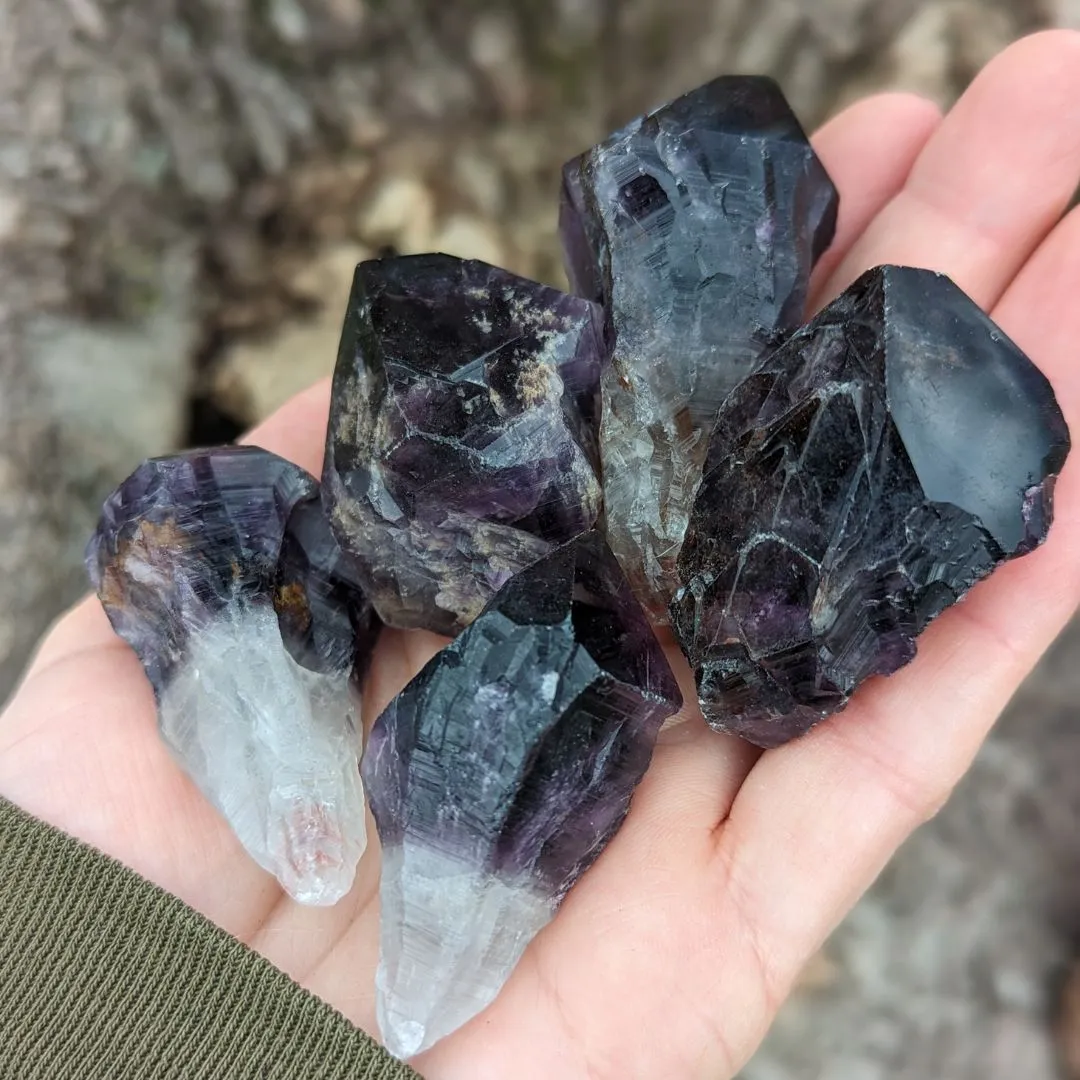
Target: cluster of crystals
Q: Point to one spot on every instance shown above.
(544, 475)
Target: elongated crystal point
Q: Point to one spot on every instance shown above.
(219, 570)
(870, 471)
(697, 226)
(462, 436)
(498, 775)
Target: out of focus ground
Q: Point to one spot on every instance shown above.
(184, 190)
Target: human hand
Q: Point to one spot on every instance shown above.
(673, 953)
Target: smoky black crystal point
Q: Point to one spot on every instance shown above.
(868, 473)
(462, 436)
(518, 746)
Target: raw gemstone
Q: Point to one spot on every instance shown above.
(497, 776)
(218, 568)
(862, 479)
(697, 226)
(462, 438)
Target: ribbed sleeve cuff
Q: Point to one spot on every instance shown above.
(104, 976)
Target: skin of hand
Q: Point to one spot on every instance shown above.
(672, 955)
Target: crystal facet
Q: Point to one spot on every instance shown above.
(462, 441)
(697, 226)
(497, 776)
(219, 570)
(862, 479)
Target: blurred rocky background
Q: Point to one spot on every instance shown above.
(184, 190)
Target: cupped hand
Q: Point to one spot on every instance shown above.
(673, 953)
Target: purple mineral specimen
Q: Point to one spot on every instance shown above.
(462, 438)
(697, 227)
(862, 479)
(497, 776)
(219, 569)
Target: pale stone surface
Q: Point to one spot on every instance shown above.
(470, 237)
(401, 212)
(255, 377)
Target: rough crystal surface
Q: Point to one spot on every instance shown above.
(219, 570)
(497, 776)
(697, 226)
(862, 479)
(462, 438)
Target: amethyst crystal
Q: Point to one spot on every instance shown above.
(497, 776)
(697, 226)
(218, 568)
(870, 471)
(461, 444)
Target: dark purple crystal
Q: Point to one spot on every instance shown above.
(697, 226)
(507, 764)
(186, 537)
(462, 438)
(219, 569)
(862, 479)
(521, 742)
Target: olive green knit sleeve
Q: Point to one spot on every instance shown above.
(105, 977)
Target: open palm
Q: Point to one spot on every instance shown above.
(671, 956)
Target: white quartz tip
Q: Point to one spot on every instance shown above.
(274, 747)
(451, 936)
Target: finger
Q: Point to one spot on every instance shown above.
(297, 431)
(817, 820)
(868, 150)
(992, 180)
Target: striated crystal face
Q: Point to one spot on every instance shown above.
(862, 479)
(462, 438)
(219, 570)
(497, 776)
(697, 226)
